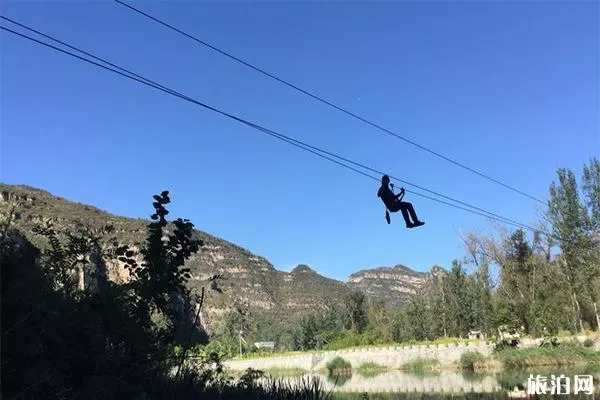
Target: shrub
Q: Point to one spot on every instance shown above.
(338, 364)
(370, 369)
(469, 359)
(421, 365)
(588, 343)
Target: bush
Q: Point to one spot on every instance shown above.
(570, 343)
(421, 365)
(338, 364)
(588, 343)
(469, 359)
(370, 369)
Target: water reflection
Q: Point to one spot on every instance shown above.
(447, 396)
(443, 382)
(338, 380)
(398, 381)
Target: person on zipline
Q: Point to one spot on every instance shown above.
(393, 203)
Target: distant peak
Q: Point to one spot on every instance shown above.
(396, 269)
(402, 268)
(302, 268)
(436, 268)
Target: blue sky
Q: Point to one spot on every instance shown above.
(509, 88)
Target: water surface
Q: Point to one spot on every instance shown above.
(498, 385)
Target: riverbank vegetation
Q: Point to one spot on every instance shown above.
(371, 369)
(470, 360)
(548, 356)
(338, 366)
(421, 366)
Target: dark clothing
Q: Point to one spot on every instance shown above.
(394, 205)
(388, 197)
(406, 209)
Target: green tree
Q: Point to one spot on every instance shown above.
(570, 220)
(307, 334)
(379, 319)
(237, 319)
(356, 309)
(518, 271)
(591, 190)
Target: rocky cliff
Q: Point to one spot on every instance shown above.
(392, 284)
(249, 279)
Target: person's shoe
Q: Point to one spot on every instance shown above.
(418, 223)
(410, 225)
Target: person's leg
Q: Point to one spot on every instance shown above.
(405, 206)
(406, 219)
(408, 207)
(398, 206)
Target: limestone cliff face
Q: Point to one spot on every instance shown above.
(392, 284)
(249, 280)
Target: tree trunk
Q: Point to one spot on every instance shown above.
(81, 278)
(597, 317)
(578, 312)
(531, 316)
(574, 308)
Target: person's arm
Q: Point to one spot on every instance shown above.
(400, 195)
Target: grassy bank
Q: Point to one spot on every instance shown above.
(547, 356)
(518, 359)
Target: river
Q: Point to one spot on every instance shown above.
(397, 384)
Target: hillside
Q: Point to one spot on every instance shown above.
(250, 280)
(393, 284)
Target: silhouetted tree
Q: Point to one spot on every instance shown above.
(61, 341)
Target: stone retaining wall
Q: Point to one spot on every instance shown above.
(391, 357)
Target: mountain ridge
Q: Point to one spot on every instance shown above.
(250, 279)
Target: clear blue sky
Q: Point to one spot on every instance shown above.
(510, 88)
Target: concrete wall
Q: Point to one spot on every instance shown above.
(392, 357)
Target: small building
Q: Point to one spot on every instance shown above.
(476, 335)
(264, 345)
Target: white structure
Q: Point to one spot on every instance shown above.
(261, 345)
(476, 335)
